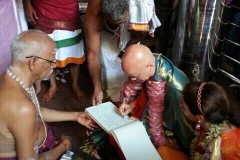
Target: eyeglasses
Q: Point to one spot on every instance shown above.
(52, 62)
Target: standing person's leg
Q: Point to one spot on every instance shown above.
(74, 71)
(53, 87)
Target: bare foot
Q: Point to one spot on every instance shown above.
(47, 96)
(79, 94)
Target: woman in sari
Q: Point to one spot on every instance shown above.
(216, 131)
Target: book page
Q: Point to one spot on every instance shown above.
(107, 117)
(135, 142)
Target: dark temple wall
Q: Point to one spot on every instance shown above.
(202, 33)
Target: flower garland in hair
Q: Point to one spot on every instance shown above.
(213, 132)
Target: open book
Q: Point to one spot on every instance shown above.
(130, 135)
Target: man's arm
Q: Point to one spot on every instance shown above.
(51, 115)
(92, 27)
(30, 12)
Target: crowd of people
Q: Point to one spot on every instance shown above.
(190, 120)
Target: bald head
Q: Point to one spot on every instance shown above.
(30, 43)
(138, 61)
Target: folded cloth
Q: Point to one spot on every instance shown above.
(143, 16)
(67, 156)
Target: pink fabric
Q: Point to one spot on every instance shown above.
(130, 89)
(8, 30)
(58, 10)
(156, 96)
(52, 11)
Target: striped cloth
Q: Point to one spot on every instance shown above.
(70, 47)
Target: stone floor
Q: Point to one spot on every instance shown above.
(65, 100)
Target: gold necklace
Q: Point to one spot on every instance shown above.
(213, 132)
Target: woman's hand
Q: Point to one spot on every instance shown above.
(85, 120)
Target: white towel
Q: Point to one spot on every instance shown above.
(112, 74)
(141, 13)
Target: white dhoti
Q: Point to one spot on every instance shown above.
(70, 47)
(112, 74)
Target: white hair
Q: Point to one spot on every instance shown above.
(114, 9)
(29, 43)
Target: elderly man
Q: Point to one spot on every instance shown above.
(23, 130)
(110, 26)
(155, 86)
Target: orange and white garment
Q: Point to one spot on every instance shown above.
(70, 47)
(143, 16)
(61, 21)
